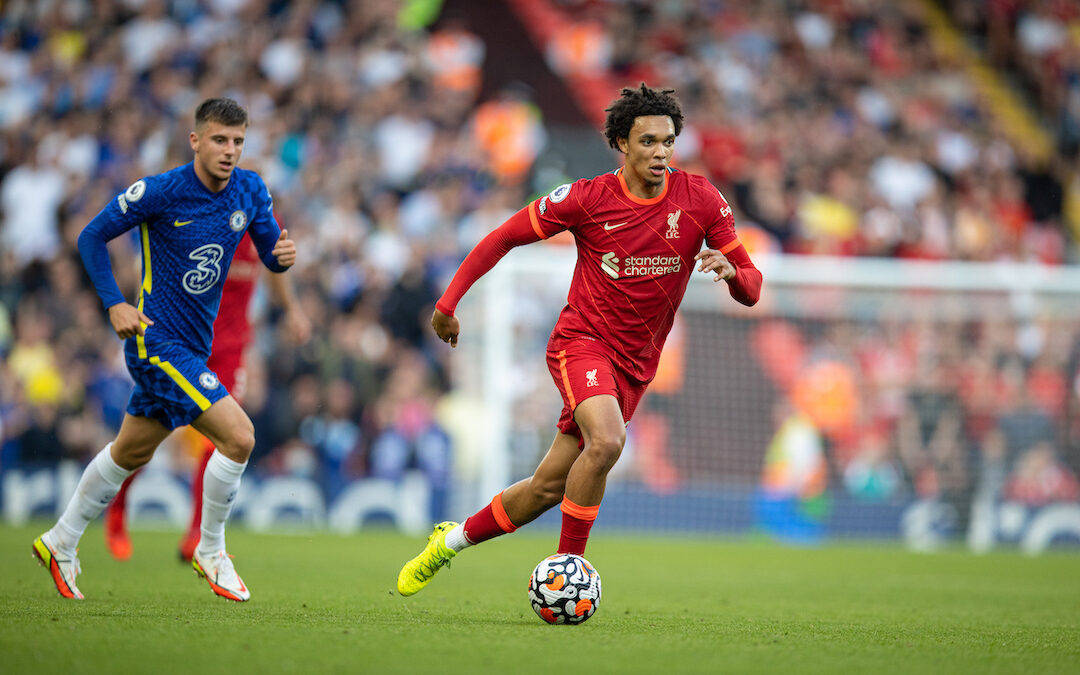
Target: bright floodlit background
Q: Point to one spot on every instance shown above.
(905, 174)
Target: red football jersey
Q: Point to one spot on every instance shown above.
(634, 258)
(232, 330)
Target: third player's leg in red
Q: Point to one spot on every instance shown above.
(116, 535)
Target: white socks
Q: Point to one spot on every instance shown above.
(220, 483)
(455, 538)
(99, 484)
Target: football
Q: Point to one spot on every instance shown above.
(564, 588)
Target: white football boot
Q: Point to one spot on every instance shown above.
(219, 572)
(63, 568)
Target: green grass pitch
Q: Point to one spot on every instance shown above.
(322, 602)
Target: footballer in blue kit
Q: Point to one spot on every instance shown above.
(190, 221)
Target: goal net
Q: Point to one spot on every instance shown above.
(860, 398)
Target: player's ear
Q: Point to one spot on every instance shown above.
(624, 145)
(193, 139)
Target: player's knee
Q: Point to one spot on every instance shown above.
(131, 456)
(240, 442)
(603, 450)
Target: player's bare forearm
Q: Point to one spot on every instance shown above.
(127, 320)
(447, 327)
(282, 295)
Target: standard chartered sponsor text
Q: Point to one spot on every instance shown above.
(637, 266)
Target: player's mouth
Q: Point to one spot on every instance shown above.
(225, 166)
(657, 169)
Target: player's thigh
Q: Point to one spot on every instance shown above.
(600, 419)
(137, 440)
(228, 427)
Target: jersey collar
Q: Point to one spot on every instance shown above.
(639, 200)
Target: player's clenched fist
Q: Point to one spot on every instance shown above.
(285, 250)
(446, 327)
(127, 320)
(715, 261)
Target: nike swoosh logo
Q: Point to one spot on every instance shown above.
(612, 227)
(181, 223)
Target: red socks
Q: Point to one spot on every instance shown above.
(488, 522)
(119, 502)
(576, 523)
(491, 521)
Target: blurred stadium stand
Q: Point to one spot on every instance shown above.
(396, 134)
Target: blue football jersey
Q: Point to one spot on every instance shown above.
(188, 236)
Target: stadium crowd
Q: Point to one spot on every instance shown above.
(833, 125)
(1040, 41)
(836, 126)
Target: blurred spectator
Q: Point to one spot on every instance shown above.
(364, 130)
(834, 127)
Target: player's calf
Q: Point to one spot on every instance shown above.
(542, 493)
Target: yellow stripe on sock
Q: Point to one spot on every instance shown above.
(188, 388)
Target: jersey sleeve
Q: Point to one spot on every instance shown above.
(141, 202)
(720, 228)
(264, 230)
(562, 209)
(745, 286)
(516, 231)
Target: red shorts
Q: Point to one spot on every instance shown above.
(583, 369)
(227, 364)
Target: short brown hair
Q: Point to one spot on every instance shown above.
(221, 110)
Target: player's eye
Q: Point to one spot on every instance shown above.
(669, 142)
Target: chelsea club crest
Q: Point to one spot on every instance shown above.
(237, 220)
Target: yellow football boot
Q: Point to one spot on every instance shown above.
(420, 570)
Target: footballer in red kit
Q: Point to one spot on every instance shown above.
(639, 232)
(232, 333)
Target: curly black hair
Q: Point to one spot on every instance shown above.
(221, 110)
(633, 103)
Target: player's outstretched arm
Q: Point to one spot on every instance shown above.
(517, 231)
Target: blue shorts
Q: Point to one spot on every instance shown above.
(172, 383)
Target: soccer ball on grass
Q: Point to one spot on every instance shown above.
(564, 588)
